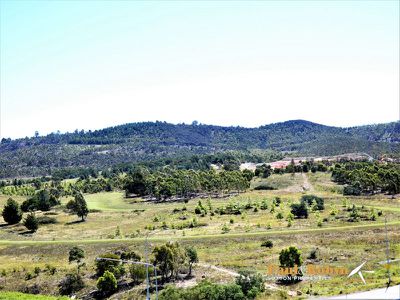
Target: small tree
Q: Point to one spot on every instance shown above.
(300, 210)
(290, 258)
(103, 265)
(31, 222)
(164, 260)
(192, 257)
(137, 272)
(79, 206)
(12, 213)
(107, 284)
(76, 254)
(250, 283)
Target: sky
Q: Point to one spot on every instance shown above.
(67, 65)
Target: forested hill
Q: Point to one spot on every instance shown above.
(148, 141)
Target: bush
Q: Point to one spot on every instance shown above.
(42, 220)
(315, 201)
(137, 273)
(250, 283)
(107, 284)
(264, 187)
(204, 290)
(313, 254)
(28, 276)
(299, 210)
(114, 267)
(31, 223)
(289, 258)
(70, 284)
(267, 244)
(225, 229)
(352, 190)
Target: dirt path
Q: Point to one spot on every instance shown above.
(234, 274)
(307, 186)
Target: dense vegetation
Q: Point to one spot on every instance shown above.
(138, 142)
(362, 177)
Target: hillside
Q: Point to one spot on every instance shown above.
(148, 141)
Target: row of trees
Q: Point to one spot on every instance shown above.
(364, 177)
(183, 183)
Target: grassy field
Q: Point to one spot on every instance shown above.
(338, 241)
(21, 296)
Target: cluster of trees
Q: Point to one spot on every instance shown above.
(12, 214)
(366, 177)
(264, 170)
(170, 260)
(300, 210)
(42, 200)
(183, 183)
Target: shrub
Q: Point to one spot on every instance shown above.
(311, 200)
(36, 271)
(137, 273)
(289, 258)
(31, 223)
(42, 220)
(28, 276)
(204, 290)
(267, 244)
(51, 269)
(70, 284)
(279, 216)
(299, 210)
(107, 284)
(250, 283)
(352, 190)
(264, 205)
(264, 187)
(108, 265)
(313, 254)
(225, 228)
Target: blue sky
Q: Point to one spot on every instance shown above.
(69, 65)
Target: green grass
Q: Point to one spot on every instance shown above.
(21, 296)
(279, 181)
(112, 201)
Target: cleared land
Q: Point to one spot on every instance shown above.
(338, 241)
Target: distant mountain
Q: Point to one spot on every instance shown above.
(151, 140)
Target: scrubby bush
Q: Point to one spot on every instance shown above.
(137, 273)
(31, 222)
(267, 244)
(204, 290)
(264, 187)
(107, 284)
(43, 220)
(317, 203)
(114, 267)
(250, 283)
(299, 210)
(70, 284)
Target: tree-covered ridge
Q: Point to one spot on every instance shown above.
(148, 141)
